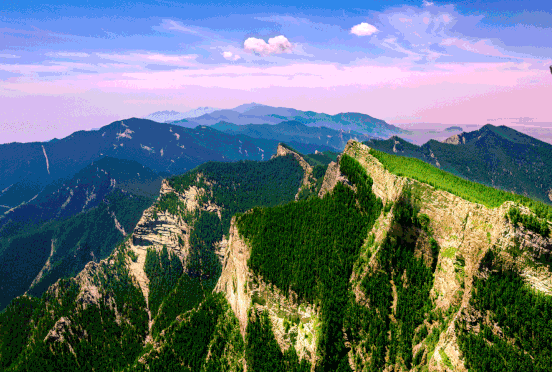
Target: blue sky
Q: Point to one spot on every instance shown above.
(83, 64)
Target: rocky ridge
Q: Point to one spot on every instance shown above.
(307, 168)
(461, 229)
(245, 291)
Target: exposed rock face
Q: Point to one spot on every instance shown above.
(56, 333)
(461, 228)
(456, 139)
(89, 293)
(157, 229)
(283, 151)
(332, 177)
(236, 275)
(166, 228)
(244, 291)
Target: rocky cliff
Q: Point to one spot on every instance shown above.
(462, 230)
(245, 291)
(107, 309)
(307, 168)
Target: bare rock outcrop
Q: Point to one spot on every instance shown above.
(456, 139)
(307, 169)
(58, 330)
(245, 291)
(462, 229)
(332, 177)
(236, 275)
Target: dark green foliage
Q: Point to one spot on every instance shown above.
(15, 328)
(186, 295)
(474, 192)
(187, 342)
(262, 352)
(316, 179)
(204, 263)
(106, 334)
(310, 247)
(170, 202)
(396, 264)
(320, 159)
(494, 156)
(21, 259)
(163, 271)
(238, 187)
(76, 239)
(529, 221)
(521, 313)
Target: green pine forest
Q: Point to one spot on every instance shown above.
(468, 190)
(321, 250)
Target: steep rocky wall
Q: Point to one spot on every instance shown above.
(244, 291)
(166, 228)
(235, 276)
(283, 151)
(461, 228)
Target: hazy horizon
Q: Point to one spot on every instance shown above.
(71, 66)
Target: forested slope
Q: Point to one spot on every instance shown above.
(381, 272)
(500, 157)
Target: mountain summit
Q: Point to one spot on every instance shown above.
(497, 156)
(169, 116)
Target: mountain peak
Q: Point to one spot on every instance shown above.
(247, 106)
(169, 116)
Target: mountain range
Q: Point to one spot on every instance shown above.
(500, 157)
(287, 243)
(57, 233)
(388, 263)
(170, 149)
(254, 113)
(168, 116)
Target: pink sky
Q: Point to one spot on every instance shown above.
(403, 64)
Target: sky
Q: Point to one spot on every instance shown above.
(76, 65)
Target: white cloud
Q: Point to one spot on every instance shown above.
(275, 45)
(148, 57)
(364, 29)
(230, 56)
(68, 54)
(9, 56)
(427, 3)
(172, 25)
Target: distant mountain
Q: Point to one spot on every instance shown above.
(453, 129)
(168, 116)
(84, 191)
(292, 130)
(27, 168)
(261, 114)
(57, 233)
(496, 156)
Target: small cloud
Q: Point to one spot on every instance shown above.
(9, 56)
(172, 25)
(230, 56)
(68, 54)
(427, 3)
(156, 67)
(5, 75)
(275, 45)
(48, 73)
(364, 29)
(83, 71)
